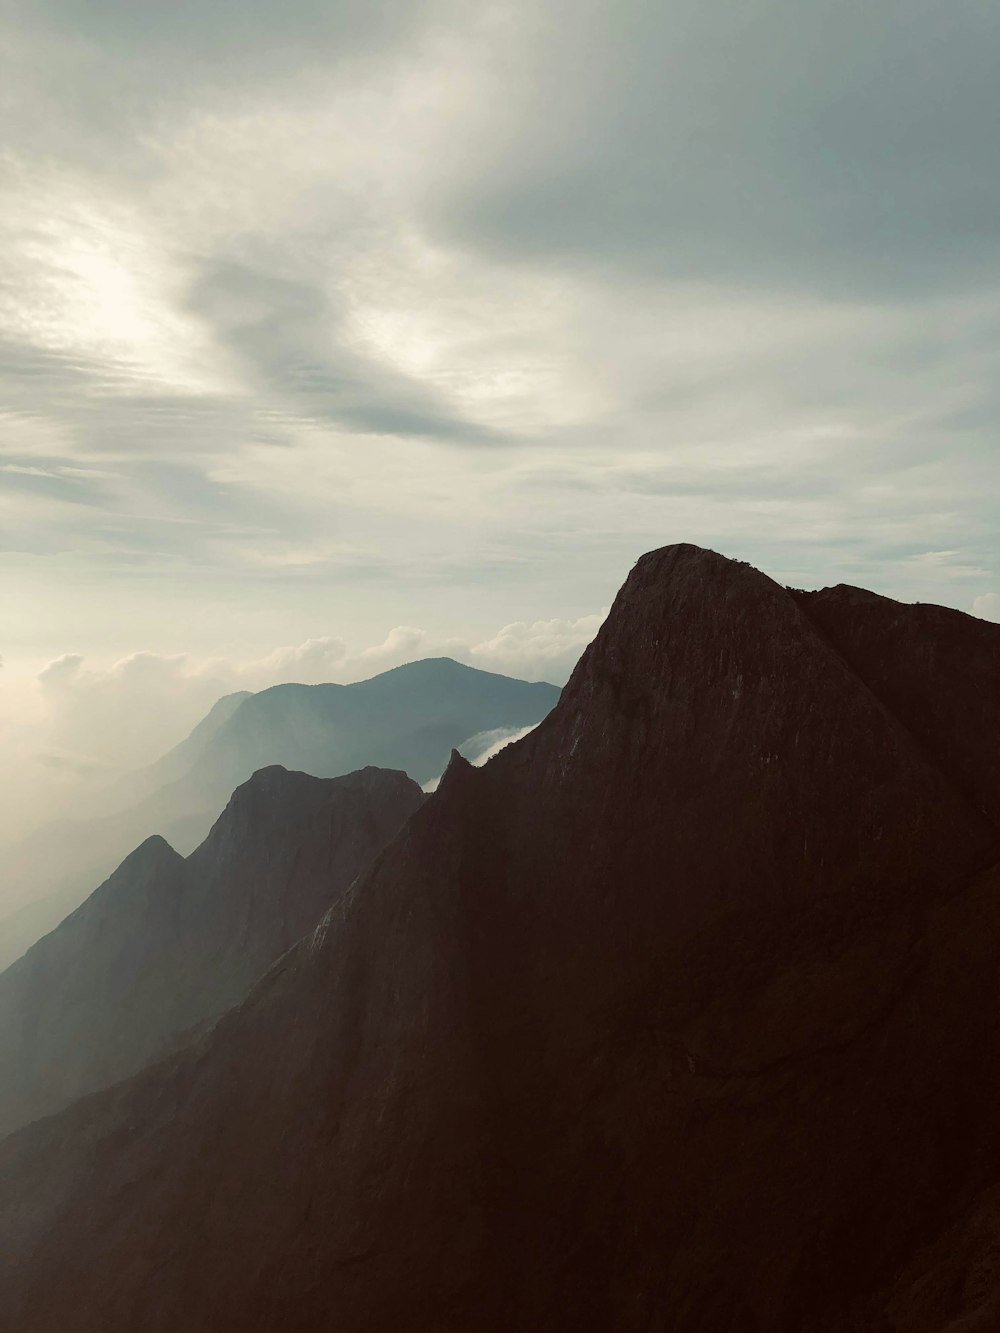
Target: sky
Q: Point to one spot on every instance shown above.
(336, 333)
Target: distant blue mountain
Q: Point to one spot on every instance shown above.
(408, 719)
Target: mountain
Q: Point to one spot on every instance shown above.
(46, 870)
(408, 718)
(176, 763)
(681, 1013)
(167, 944)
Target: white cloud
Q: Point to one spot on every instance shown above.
(481, 748)
(987, 607)
(309, 662)
(124, 714)
(543, 650)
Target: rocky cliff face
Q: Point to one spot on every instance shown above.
(166, 945)
(680, 1014)
(909, 657)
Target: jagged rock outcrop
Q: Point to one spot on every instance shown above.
(679, 1015)
(167, 944)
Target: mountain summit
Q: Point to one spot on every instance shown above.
(679, 1014)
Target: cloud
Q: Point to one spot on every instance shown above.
(316, 658)
(79, 765)
(65, 670)
(124, 714)
(224, 29)
(544, 650)
(294, 342)
(481, 748)
(987, 607)
(838, 146)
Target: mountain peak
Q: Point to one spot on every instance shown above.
(458, 771)
(153, 852)
(435, 669)
(225, 705)
(683, 615)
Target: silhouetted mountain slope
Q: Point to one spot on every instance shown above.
(680, 1014)
(166, 944)
(909, 656)
(408, 718)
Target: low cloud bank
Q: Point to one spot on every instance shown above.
(479, 749)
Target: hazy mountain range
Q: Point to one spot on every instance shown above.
(167, 944)
(680, 1014)
(409, 718)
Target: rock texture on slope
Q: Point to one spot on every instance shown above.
(681, 1014)
(408, 718)
(167, 944)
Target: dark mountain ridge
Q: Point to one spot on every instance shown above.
(679, 1015)
(167, 944)
(907, 656)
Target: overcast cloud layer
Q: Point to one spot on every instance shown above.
(317, 319)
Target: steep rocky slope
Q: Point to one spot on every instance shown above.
(679, 1015)
(909, 656)
(167, 944)
(408, 718)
